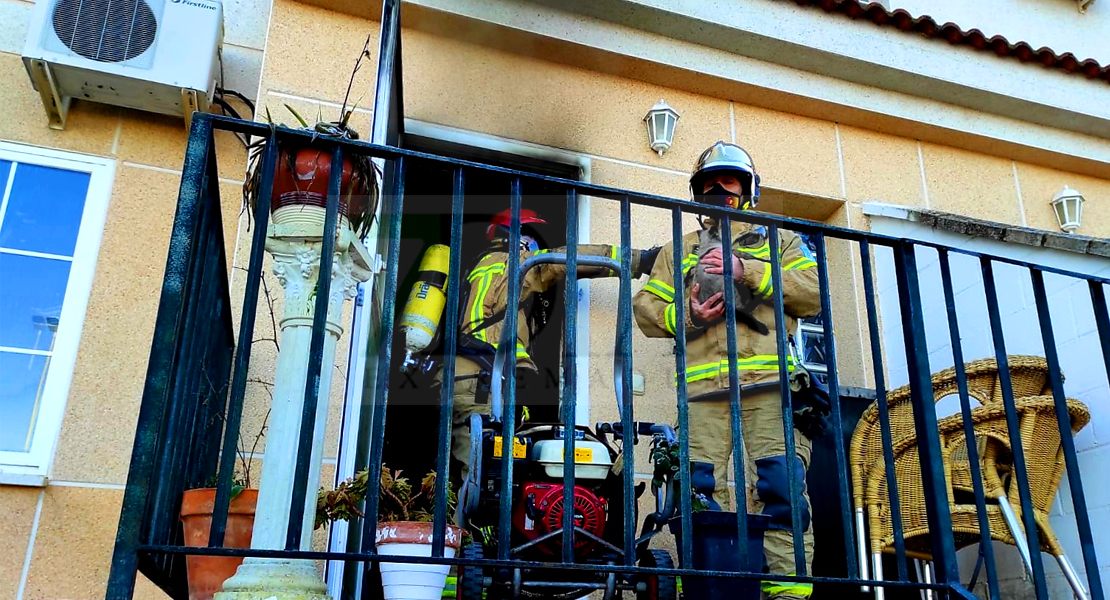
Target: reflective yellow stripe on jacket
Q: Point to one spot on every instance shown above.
(781, 588)
(477, 314)
(660, 288)
(765, 288)
(758, 362)
(689, 262)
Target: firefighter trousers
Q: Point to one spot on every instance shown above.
(465, 405)
(766, 473)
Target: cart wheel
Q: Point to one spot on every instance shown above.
(659, 587)
(469, 584)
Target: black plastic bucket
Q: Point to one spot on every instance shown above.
(715, 549)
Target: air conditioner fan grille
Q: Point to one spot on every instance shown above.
(105, 30)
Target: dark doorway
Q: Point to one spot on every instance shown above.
(414, 400)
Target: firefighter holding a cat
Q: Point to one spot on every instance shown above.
(725, 175)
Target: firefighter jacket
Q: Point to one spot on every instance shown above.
(707, 365)
(489, 292)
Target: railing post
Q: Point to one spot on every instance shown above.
(925, 416)
(133, 522)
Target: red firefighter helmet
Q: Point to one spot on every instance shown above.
(505, 219)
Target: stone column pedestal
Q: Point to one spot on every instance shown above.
(295, 242)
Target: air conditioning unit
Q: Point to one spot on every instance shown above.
(161, 56)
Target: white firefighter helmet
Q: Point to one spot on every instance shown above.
(725, 157)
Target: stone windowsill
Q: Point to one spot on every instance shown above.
(1002, 232)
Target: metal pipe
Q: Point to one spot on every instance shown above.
(877, 563)
(1072, 577)
(927, 570)
(861, 546)
(1016, 531)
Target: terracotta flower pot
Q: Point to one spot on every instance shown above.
(411, 581)
(302, 178)
(207, 573)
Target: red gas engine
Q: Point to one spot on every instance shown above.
(540, 511)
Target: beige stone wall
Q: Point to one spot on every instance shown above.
(478, 89)
(74, 518)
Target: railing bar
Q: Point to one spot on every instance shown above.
(214, 399)
(1013, 424)
(939, 516)
(175, 456)
(629, 430)
(736, 422)
(834, 397)
(170, 482)
(240, 367)
(508, 383)
(1078, 498)
(969, 426)
(134, 526)
(395, 201)
(524, 564)
(569, 406)
(450, 348)
(686, 548)
(615, 194)
(884, 416)
(297, 508)
(1063, 419)
(195, 463)
(800, 566)
(198, 327)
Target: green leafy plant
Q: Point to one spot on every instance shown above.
(664, 455)
(238, 484)
(364, 175)
(398, 499)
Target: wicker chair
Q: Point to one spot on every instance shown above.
(1043, 453)
(1029, 376)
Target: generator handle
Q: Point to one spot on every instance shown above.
(506, 347)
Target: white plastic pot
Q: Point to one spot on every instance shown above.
(412, 581)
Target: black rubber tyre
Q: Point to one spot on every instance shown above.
(469, 584)
(659, 587)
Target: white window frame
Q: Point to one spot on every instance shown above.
(32, 468)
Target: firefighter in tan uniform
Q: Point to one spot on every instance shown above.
(484, 310)
(725, 176)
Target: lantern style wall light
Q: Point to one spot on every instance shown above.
(661, 121)
(1068, 206)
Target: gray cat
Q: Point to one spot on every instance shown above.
(713, 283)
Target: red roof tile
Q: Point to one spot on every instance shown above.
(926, 26)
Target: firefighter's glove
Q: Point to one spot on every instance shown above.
(647, 261)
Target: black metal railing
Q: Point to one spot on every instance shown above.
(187, 401)
(177, 444)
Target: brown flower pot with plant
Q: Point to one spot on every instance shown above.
(405, 517)
(303, 173)
(206, 574)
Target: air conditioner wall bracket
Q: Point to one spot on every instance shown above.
(56, 105)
